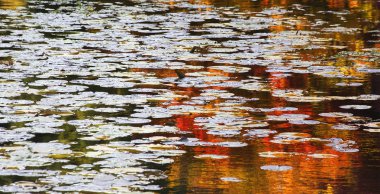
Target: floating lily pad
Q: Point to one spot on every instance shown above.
(304, 122)
(211, 156)
(259, 133)
(24, 187)
(357, 107)
(345, 127)
(288, 117)
(336, 114)
(121, 120)
(230, 179)
(276, 168)
(373, 124)
(349, 84)
(277, 154)
(343, 145)
(14, 136)
(323, 155)
(372, 130)
(292, 137)
(232, 144)
(224, 133)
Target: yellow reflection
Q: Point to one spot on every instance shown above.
(205, 174)
(329, 190)
(12, 4)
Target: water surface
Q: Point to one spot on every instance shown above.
(189, 96)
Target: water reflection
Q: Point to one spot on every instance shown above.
(244, 164)
(12, 4)
(103, 96)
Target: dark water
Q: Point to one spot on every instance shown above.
(189, 96)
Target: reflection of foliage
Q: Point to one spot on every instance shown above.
(12, 4)
(69, 135)
(81, 7)
(214, 102)
(6, 60)
(345, 66)
(87, 9)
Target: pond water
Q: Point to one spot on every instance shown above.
(197, 96)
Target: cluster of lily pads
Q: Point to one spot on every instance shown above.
(87, 89)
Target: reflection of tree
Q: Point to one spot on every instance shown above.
(309, 174)
(12, 4)
(204, 175)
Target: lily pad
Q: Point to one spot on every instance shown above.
(357, 107)
(211, 156)
(276, 168)
(230, 179)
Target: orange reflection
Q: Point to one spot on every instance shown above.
(353, 4)
(336, 3)
(309, 174)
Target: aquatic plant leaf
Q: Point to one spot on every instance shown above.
(230, 179)
(276, 168)
(211, 156)
(357, 107)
